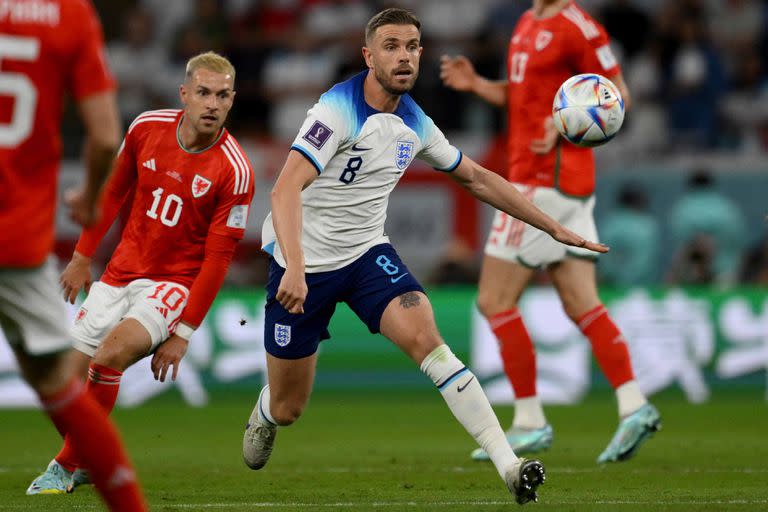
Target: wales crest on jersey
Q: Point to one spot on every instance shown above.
(403, 153)
(200, 186)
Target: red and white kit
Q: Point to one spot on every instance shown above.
(188, 211)
(46, 53)
(543, 53)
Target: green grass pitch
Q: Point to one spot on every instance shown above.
(371, 451)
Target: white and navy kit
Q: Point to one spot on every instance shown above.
(359, 154)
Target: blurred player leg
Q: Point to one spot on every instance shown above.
(126, 344)
(575, 282)
(281, 403)
(501, 285)
(408, 321)
(96, 441)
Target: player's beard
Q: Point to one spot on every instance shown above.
(388, 82)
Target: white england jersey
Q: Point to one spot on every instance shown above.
(359, 154)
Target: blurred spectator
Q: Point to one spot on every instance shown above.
(206, 30)
(626, 24)
(736, 27)
(457, 265)
(705, 211)
(693, 76)
(140, 68)
(693, 263)
(633, 235)
(754, 269)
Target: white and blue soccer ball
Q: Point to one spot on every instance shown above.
(588, 110)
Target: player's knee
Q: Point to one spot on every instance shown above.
(112, 357)
(285, 413)
(425, 341)
(489, 304)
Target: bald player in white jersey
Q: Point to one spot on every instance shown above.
(326, 237)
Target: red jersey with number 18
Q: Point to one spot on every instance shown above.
(47, 48)
(544, 53)
(180, 196)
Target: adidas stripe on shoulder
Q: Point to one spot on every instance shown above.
(239, 164)
(161, 116)
(578, 18)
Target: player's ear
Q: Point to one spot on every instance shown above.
(183, 94)
(367, 57)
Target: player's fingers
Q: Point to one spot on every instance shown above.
(87, 287)
(597, 247)
(72, 295)
(164, 371)
(175, 369)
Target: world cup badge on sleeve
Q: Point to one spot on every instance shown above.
(403, 153)
(200, 186)
(282, 334)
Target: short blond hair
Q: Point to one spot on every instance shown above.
(211, 61)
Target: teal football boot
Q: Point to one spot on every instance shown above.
(522, 441)
(632, 432)
(79, 477)
(54, 480)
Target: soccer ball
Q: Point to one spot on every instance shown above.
(588, 110)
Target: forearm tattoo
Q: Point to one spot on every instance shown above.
(409, 300)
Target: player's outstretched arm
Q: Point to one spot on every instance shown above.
(296, 175)
(499, 193)
(459, 74)
(102, 136)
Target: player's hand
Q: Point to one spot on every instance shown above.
(568, 237)
(292, 291)
(545, 144)
(76, 276)
(82, 206)
(457, 73)
(168, 354)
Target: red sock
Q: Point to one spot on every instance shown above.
(608, 345)
(517, 351)
(103, 384)
(97, 443)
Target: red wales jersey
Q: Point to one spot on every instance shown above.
(48, 48)
(544, 53)
(180, 196)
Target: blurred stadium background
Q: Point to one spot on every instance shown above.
(681, 198)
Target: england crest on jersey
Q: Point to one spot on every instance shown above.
(282, 334)
(403, 153)
(200, 186)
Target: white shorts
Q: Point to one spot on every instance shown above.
(33, 313)
(513, 240)
(157, 305)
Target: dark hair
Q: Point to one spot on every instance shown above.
(391, 16)
(701, 178)
(632, 195)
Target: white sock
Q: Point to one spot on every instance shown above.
(529, 414)
(264, 414)
(464, 396)
(630, 398)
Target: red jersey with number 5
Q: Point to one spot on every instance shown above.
(48, 48)
(180, 196)
(544, 53)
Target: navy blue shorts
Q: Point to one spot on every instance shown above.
(367, 285)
